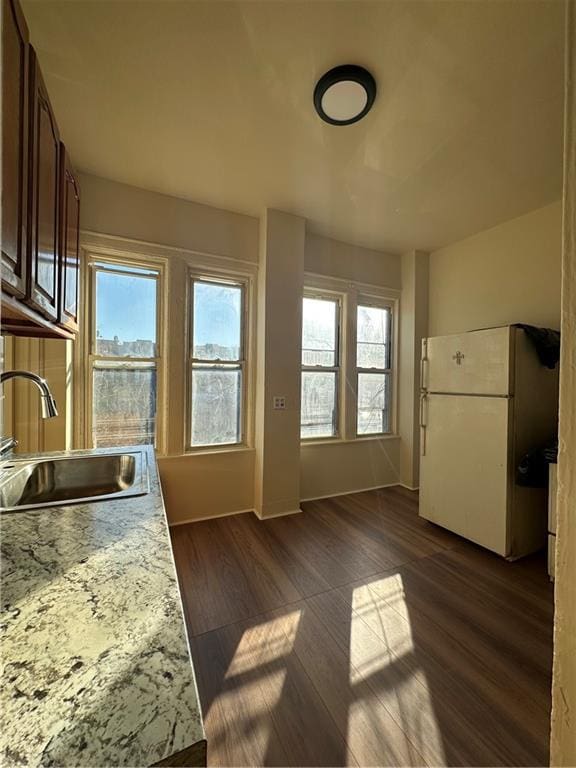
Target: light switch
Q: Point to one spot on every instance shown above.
(279, 403)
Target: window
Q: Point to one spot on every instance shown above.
(320, 367)
(125, 354)
(217, 363)
(374, 377)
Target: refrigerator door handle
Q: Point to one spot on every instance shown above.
(423, 366)
(423, 424)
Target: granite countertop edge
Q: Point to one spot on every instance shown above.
(97, 669)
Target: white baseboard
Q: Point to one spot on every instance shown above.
(409, 487)
(174, 523)
(280, 514)
(349, 493)
(292, 511)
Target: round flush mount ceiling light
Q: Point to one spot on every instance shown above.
(344, 94)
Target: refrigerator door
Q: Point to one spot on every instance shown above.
(464, 467)
(477, 362)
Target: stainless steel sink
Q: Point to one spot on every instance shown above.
(31, 483)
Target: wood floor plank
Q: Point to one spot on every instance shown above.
(431, 600)
(237, 717)
(382, 644)
(301, 571)
(263, 651)
(214, 588)
(397, 536)
(394, 507)
(529, 605)
(269, 583)
(515, 635)
(295, 532)
(523, 576)
(378, 673)
(459, 689)
(358, 633)
(367, 545)
(345, 549)
(373, 734)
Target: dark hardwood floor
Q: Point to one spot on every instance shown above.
(358, 634)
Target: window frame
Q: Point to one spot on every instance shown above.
(87, 346)
(390, 369)
(243, 364)
(338, 299)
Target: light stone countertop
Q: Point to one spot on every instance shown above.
(96, 663)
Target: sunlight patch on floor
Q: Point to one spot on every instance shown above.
(384, 663)
(264, 645)
(394, 637)
(229, 720)
(253, 685)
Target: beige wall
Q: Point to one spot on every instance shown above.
(217, 483)
(332, 258)
(329, 469)
(508, 274)
(208, 484)
(563, 740)
(279, 341)
(53, 360)
(211, 483)
(119, 209)
(413, 328)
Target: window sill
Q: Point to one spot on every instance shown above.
(342, 441)
(209, 452)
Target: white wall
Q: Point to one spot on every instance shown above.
(507, 274)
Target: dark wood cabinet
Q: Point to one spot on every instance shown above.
(15, 94)
(44, 154)
(69, 243)
(40, 198)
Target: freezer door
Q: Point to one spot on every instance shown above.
(471, 363)
(464, 467)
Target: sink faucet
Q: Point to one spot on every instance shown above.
(49, 409)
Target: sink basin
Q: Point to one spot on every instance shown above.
(29, 484)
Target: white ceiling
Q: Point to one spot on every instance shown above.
(212, 101)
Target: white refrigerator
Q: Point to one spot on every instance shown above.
(486, 400)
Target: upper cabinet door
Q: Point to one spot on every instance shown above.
(14, 148)
(69, 244)
(43, 279)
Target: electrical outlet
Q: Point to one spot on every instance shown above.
(279, 403)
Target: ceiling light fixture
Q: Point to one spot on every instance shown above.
(344, 94)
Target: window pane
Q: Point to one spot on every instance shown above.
(217, 321)
(319, 320)
(125, 315)
(373, 403)
(318, 408)
(216, 405)
(373, 337)
(124, 404)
